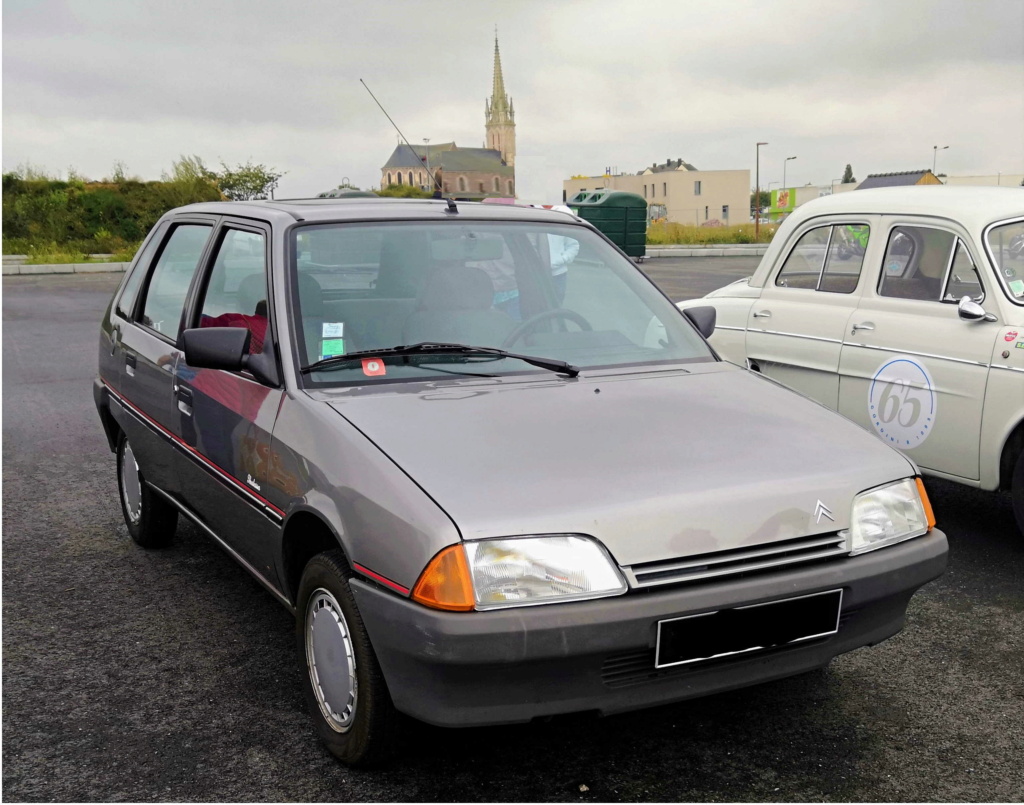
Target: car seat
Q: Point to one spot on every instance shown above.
(456, 306)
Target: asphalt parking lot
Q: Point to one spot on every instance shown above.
(171, 676)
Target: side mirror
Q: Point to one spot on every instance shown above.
(228, 348)
(703, 318)
(969, 310)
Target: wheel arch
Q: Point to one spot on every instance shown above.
(305, 533)
(1012, 448)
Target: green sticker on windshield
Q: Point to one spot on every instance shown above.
(1017, 287)
(329, 347)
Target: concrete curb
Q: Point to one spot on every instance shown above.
(65, 268)
(753, 250)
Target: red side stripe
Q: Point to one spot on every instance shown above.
(377, 577)
(227, 475)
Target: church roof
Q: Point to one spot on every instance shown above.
(449, 157)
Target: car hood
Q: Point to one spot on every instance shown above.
(654, 465)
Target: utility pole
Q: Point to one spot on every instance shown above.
(784, 163)
(757, 192)
(935, 154)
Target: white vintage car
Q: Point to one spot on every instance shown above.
(903, 309)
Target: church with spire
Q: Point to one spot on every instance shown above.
(470, 174)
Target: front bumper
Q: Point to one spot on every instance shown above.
(514, 665)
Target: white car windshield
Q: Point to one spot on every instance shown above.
(1006, 245)
(542, 290)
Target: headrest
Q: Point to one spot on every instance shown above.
(458, 288)
(251, 292)
(311, 296)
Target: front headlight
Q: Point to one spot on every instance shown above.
(888, 515)
(516, 572)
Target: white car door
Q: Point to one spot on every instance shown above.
(795, 329)
(912, 369)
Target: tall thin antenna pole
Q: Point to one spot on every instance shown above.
(433, 182)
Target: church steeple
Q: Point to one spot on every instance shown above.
(499, 114)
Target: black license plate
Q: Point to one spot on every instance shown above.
(710, 635)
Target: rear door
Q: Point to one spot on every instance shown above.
(912, 370)
(146, 351)
(227, 417)
(795, 329)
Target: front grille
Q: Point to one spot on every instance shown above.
(738, 561)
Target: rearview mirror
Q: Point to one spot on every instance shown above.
(227, 348)
(969, 310)
(703, 318)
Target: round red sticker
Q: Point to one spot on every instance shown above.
(373, 367)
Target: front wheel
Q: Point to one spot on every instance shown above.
(1017, 492)
(151, 520)
(345, 689)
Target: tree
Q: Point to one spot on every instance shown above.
(848, 175)
(766, 200)
(248, 181)
(403, 191)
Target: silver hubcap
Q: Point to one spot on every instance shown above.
(131, 485)
(331, 660)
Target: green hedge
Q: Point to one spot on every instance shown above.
(92, 216)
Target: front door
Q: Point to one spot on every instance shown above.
(227, 417)
(912, 370)
(795, 329)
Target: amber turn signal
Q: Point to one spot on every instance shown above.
(445, 582)
(928, 513)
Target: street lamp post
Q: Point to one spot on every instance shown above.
(757, 191)
(935, 154)
(784, 163)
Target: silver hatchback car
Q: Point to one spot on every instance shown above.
(490, 467)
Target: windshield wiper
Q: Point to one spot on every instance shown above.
(439, 348)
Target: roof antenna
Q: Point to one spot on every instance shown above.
(430, 173)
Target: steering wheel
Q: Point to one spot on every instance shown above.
(531, 323)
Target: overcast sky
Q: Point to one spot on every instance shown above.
(874, 83)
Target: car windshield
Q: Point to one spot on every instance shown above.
(1006, 246)
(541, 290)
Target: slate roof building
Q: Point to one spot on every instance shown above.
(901, 179)
(465, 173)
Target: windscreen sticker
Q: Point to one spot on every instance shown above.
(1017, 287)
(374, 367)
(333, 329)
(902, 402)
(331, 347)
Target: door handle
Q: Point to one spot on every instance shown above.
(762, 314)
(129, 363)
(184, 395)
(865, 326)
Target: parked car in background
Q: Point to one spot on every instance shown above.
(903, 309)
(492, 470)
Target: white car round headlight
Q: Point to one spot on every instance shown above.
(540, 570)
(888, 515)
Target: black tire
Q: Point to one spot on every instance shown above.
(1017, 492)
(327, 625)
(153, 522)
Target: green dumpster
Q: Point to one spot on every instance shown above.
(619, 215)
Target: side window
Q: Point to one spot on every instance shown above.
(236, 291)
(915, 263)
(963, 277)
(126, 301)
(803, 266)
(171, 277)
(845, 258)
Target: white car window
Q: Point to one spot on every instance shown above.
(827, 258)
(915, 263)
(963, 277)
